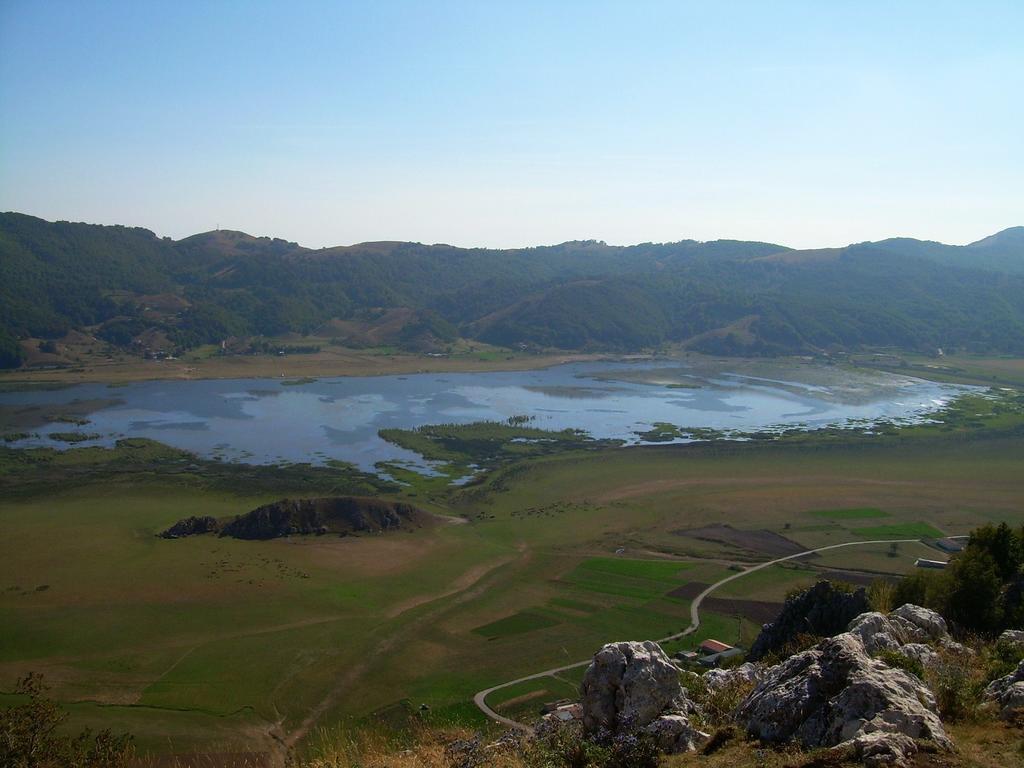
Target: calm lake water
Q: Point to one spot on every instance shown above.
(268, 421)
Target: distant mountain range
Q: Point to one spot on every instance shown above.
(130, 287)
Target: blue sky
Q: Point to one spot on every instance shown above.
(506, 124)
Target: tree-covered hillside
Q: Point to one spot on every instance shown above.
(1001, 252)
(728, 297)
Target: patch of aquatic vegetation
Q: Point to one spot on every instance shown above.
(461, 454)
(74, 437)
(78, 421)
(26, 471)
(572, 393)
(995, 410)
(990, 412)
(460, 450)
(420, 481)
(663, 432)
(24, 417)
(298, 382)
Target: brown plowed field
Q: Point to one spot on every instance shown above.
(760, 541)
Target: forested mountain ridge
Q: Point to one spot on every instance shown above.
(729, 297)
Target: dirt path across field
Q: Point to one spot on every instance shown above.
(463, 582)
(468, 586)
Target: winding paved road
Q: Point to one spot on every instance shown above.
(480, 699)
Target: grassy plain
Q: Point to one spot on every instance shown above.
(990, 371)
(849, 514)
(210, 644)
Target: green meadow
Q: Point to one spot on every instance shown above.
(210, 644)
(517, 623)
(909, 530)
(849, 514)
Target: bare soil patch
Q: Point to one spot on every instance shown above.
(524, 698)
(688, 591)
(760, 541)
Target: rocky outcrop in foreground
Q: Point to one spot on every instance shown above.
(907, 625)
(716, 679)
(632, 686)
(1007, 692)
(910, 630)
(837, 694)
(842, 694)
(342, 515)
(1014, 637)
(822, 611)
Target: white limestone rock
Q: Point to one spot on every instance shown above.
(1012, 637)
(674, 733)
(1007, 693)
(629, 685)
(924, 619)
(881, 748)
(907, 624)
(836, 693)
(716, 679)
(923, 654)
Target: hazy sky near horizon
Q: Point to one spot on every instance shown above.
(517, 123)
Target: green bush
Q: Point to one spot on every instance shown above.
(882, 596)
(716, 704)
(1000, 659)
(957, 682)
(11, 353)
(897, 660)
(567, 746)
(981, 589)
(29, 738)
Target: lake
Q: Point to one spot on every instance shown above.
(270, 421)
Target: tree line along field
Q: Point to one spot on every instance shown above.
(85, 361)
(209, 644)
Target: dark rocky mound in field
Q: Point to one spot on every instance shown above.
(821, 611)
(191, 526)
(343, 515)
